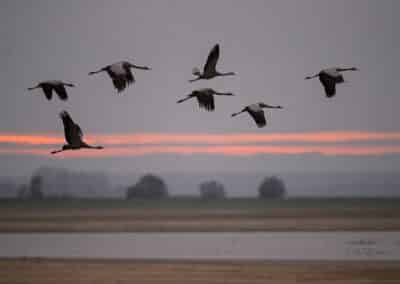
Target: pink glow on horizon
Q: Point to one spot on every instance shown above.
(240, 150)
(191, 138)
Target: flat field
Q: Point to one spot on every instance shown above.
(42, 271)
(189, 214)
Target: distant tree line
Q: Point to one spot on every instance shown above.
(63, 184)
(51, 183)
(151, 186)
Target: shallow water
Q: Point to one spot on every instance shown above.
(198, 246)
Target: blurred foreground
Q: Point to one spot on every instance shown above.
(42, 271)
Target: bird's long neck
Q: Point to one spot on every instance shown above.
(226, 74)
(311, 77)
(237, 113)
(196, 79)
(185, 99)
(98, 71)
(68, 84)
(346, 69)
(139, 67)
(64, 148)
(32, 88)
(269, 106)
(223, 94)
(56, 151)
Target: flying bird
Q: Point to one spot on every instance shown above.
(56, 85)
(209, 70)
(205, 98)
(257, 113)
(120, 73)
(73, 135)
(330, 77)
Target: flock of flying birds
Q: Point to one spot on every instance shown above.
(121, 76)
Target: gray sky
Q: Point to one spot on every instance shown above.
(271, 45)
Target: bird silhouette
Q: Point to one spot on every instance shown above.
(257, 113)
(56, 85)
(73, 135)
(205, 98)
(120, 74)
(209, 70)
(330, 77)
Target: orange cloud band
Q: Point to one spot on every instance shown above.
(239, 150)
(232, 138)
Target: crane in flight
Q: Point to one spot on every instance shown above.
(120, 74)
(205, 98)
(330, 77)
(257, 113)
(73, 135)
(209, 70)
(53, 85)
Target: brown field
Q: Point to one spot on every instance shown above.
(176, 220)
(42, 271)
(190, 214)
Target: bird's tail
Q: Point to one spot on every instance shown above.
(69, 85)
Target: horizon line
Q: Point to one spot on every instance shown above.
(233, 151)
(154, 138)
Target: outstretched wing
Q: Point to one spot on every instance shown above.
(329, 84)
(259, 117)
(206, 101)
(61, 92)
(72, 131)
(212, 60)
(48, 91)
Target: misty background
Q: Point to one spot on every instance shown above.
(272, 45)
(62, 183)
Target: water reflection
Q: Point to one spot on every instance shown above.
(217, 246)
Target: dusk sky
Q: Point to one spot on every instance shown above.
(271, 45)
